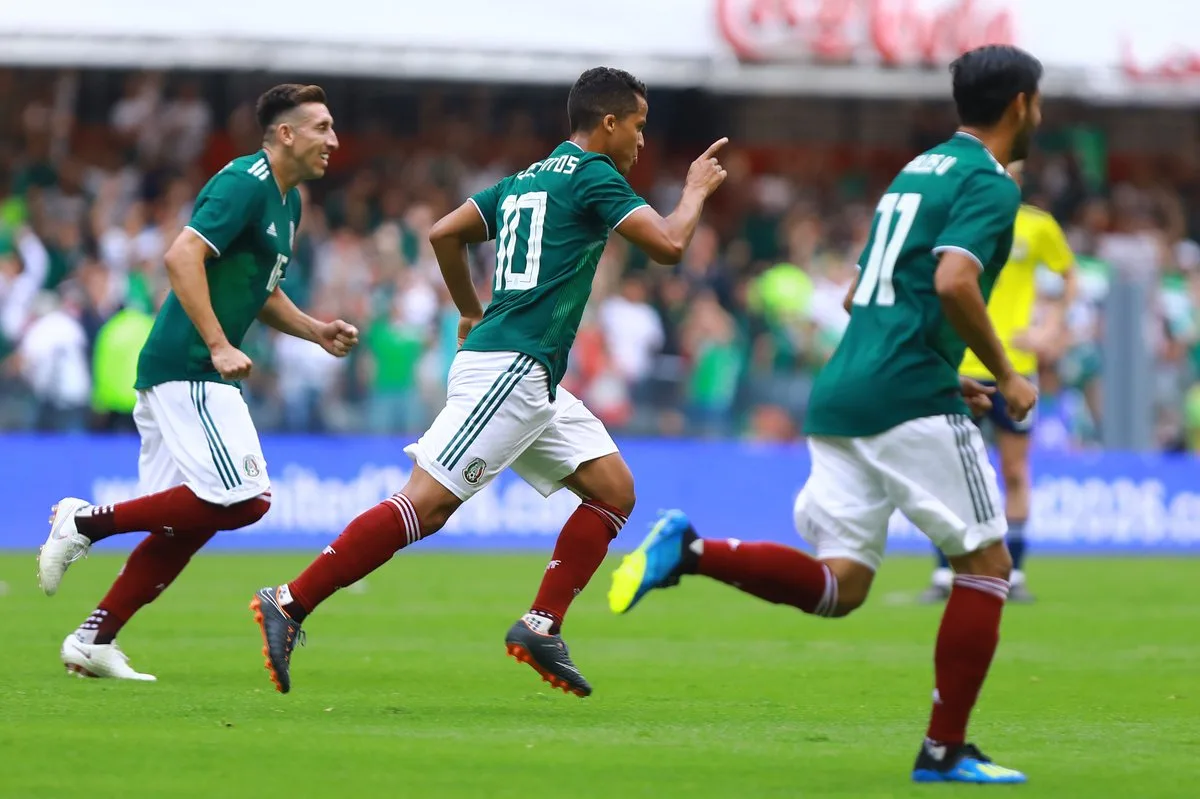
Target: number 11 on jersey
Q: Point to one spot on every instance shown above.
(885, 250)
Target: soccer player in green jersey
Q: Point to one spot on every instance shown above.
(888, 424)
(201, 466)
(504, 405)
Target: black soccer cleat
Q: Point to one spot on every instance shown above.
(548, 656)
(280, 633)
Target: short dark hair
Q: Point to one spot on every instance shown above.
(599, 92)
(987, 80)
(278, 100)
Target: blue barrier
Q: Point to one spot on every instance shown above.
(1093, 502)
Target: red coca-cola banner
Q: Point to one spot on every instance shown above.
(1181, 66)
(891, 32)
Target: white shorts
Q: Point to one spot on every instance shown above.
(935, 470)
(498, 414)
(200, 435)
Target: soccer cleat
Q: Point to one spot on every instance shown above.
(963, 763)
(658, 562)
(63, 546)
(548, 656)
(99, 660)
(1019, 593)
(280, 633)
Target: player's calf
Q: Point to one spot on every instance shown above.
(769, 571)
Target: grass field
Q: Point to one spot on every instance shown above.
(404, 691)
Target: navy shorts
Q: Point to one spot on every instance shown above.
(999, 417)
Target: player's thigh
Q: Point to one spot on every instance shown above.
(573, 437)
(1013, 449)
(843, 509)
(937, 472)
(157, 470)
(208, 431)
(496, 405)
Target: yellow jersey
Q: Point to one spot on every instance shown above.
(1037, 241)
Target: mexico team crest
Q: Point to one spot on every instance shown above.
(473, 471)
(250, 466)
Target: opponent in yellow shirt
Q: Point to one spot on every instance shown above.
(1038, 242)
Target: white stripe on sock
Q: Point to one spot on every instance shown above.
(412, 526)
(828, 603)
(618, 522)
(987, 585)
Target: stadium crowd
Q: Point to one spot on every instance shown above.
(725, 344)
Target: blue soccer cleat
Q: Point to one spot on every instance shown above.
(964, 763)
(661, 559)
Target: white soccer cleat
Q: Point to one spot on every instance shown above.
(63, 546)
(99, 660)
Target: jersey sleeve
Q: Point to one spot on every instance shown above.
(224, 210)
(981, 216)
(487, 203)
(1052, 248)
(599, 188)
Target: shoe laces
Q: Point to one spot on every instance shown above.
(971, 750)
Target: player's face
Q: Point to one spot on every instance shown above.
(627, 138)
(1030, 111)
(312, 139)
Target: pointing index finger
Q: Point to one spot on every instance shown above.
(715, 146)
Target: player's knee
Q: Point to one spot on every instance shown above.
(1016, 475)
(623, 497)
(993, 560)
(853, 584)
(848, 604)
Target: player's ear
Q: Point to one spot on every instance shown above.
(609, 122)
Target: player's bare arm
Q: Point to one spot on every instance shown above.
(185, 269)
(665, 239)
(337, 337)
(957, 284)
(848, 300)
(449, 238)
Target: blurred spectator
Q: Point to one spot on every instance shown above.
(724, 344)
(53, 359)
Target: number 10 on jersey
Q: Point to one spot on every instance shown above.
(887, 243)
(514, 206)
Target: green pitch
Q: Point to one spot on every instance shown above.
(404, 690)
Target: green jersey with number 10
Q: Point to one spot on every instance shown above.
(899, 357)
(550, 222)
(251, 227)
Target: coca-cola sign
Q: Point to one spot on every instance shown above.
(890, 32)
(1178, 66)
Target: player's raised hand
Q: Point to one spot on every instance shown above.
(337, 337)
(230, 362)
(706, 172)
(977, 395)
(1020, 395)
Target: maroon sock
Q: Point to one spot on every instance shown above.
(175, 511)
(367, 543)
(580, 550)
(966, 642)
(772, 572)
(152, 566)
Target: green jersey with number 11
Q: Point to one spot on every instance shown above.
(550, 222)
(250, 226)
(899, 357)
